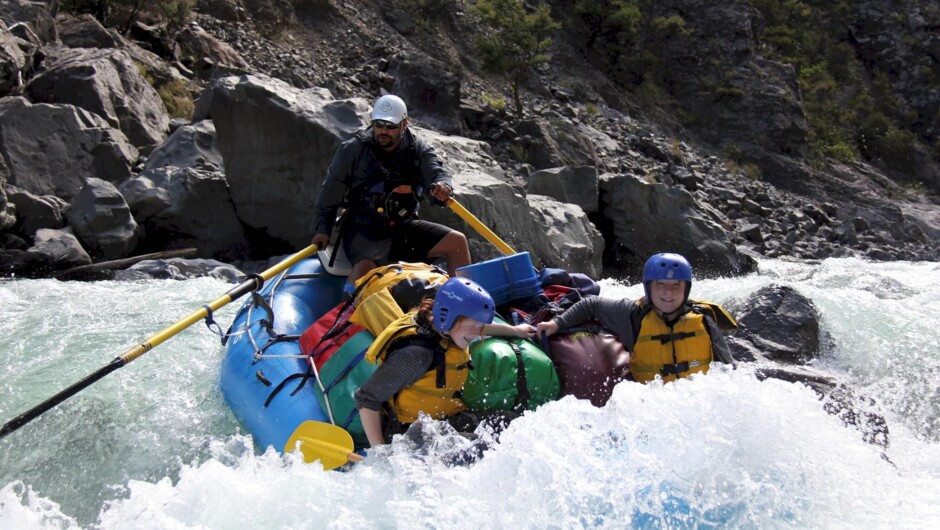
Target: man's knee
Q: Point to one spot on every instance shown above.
(360, 268)
(453, 242)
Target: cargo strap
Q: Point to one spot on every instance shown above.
(522, 385)
(304, 377)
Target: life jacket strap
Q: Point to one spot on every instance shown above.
(666, 338)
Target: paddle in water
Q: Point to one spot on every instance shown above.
(253, 283)
(329, 444)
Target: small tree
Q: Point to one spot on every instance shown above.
(519, 40)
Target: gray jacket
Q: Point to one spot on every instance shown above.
(356, 167)
(610, 313)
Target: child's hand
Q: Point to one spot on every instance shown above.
(548, 328)
(523, 331)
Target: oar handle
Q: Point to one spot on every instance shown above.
(252, 283)
(355, 457)
(471, 220)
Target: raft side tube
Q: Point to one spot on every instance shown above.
(248, 383)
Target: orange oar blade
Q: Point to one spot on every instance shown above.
(329, 444)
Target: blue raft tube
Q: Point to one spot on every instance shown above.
(263, 373)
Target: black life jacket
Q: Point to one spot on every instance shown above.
(375, 202)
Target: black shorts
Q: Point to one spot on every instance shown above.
(411, 241)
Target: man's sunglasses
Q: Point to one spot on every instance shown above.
(382, 124)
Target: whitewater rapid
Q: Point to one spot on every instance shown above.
(153, 445)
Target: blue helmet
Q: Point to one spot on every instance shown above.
(460, 297)
(665, 266)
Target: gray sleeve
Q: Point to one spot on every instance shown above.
(720, 349)
(335, 185)
(612, 314)
(432, 168)
(400, 369)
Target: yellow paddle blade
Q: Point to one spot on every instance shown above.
(329, 444)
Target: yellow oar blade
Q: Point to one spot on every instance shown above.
(329, 444)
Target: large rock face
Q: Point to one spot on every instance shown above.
(7, 209)
(107, 83)
(648, 218)
(277, 142)
(747, 105)
(901, 40)
(555, 234)
(53, 149)
(430, 90)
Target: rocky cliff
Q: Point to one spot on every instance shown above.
(693, 137)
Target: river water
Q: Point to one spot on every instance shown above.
(153, 445)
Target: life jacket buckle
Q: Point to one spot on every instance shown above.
(674, 369)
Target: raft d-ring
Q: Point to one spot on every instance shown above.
(210, 322)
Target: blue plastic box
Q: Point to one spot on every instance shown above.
(505, 278)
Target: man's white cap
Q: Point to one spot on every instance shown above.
(389, 108)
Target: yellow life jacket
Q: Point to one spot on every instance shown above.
(436, 393)
(388, 276)
(680, 350)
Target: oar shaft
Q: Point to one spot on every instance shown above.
(470, 219)
(34, 412)
(153, 341)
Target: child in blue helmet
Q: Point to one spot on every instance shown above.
(668, 335)
(424, 360)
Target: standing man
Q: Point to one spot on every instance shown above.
(378, 177)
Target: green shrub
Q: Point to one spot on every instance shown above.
(174, 93)
(518, 42)
(177, 99)
(497, 103)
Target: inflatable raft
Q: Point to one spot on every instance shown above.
(275, 376)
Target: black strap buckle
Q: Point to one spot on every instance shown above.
(674, 369)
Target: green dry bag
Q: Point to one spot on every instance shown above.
(509, 374)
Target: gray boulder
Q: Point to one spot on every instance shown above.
(568, 240)
(181, 269)
(53, 250)
(32, 13)
(572, 185)
(776, 323)
(12, 61)
(429, 88)
(548, 143)
(106, 82)
(646, 218)
(102, 220)
(192, 145)
(52, 149)
(60, 248)
(277, 142)
(206, 55)
(555, 234)
(37, 211)
(83, 31)
(185, 207)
